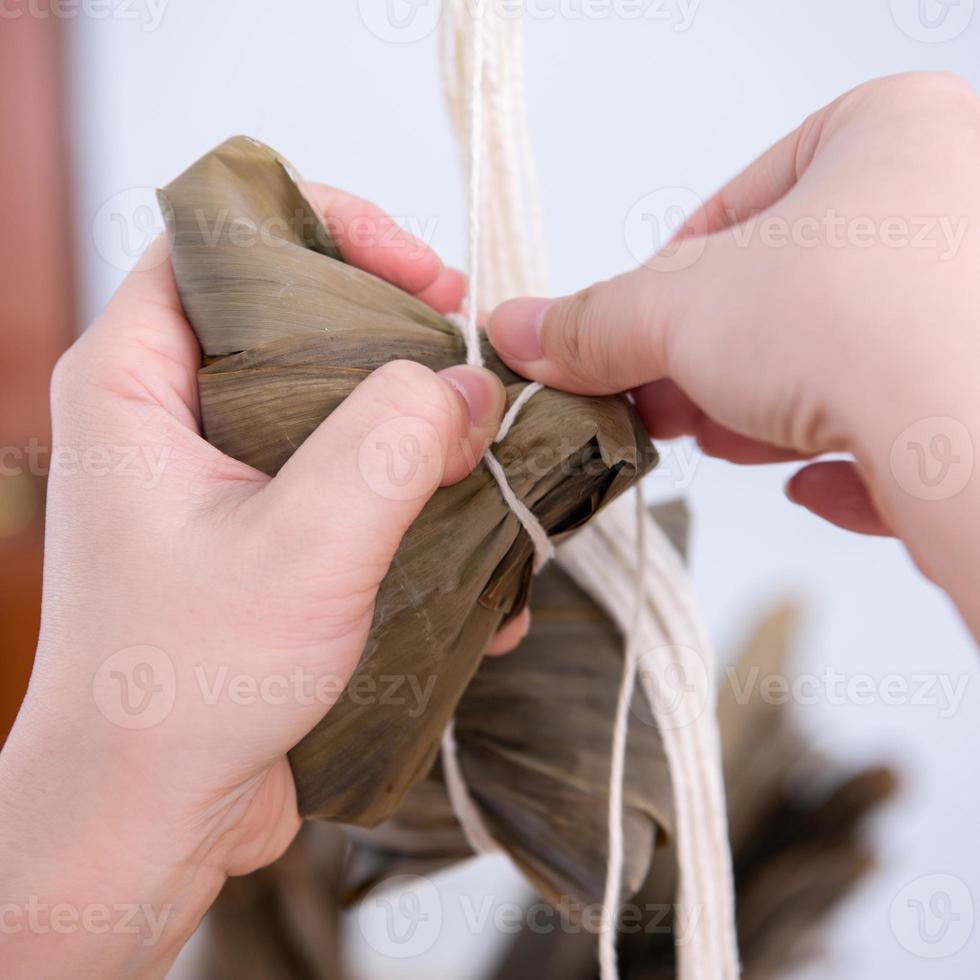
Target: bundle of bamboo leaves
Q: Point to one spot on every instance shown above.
(288, 329)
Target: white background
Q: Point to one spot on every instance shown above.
(620, 107)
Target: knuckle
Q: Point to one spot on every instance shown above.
(65, 380)
(407, 388)
(920, 90)
(936, 82)
(572, 335)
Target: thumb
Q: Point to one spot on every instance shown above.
(353, 488)
(612, 336)
(617, 335)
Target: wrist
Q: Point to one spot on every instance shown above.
(90, 886)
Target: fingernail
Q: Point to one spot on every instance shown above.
(515, 328)
(482, 391)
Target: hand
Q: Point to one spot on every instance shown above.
(145, 777)
(826, 300)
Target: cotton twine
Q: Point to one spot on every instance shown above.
(622, 558)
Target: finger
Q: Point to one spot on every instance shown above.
(668, 413)
(371, 240)
(142, 346)
(613, 336)
(378, 458)
(764, 182)
(835, 491)
(716, 440)
(446, 294)
(509, 637)
(768, 179)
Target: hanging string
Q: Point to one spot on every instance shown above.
(617, 769)
(646, 591)
(673, 653)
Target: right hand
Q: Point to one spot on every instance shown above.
(863, 321)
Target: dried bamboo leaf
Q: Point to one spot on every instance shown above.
(539, 771)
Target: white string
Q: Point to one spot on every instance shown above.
(648, 595)
(467, 813)
(474, 829)
(673, 651)
(527, 393)
(617, 769)
(471, 333)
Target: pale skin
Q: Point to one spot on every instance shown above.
(769, 351)
(763, 353)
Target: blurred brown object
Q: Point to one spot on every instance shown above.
(37, 315)
(797, 823)
(282, 922)
(798, 830)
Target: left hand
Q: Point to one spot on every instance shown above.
(199, 617)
